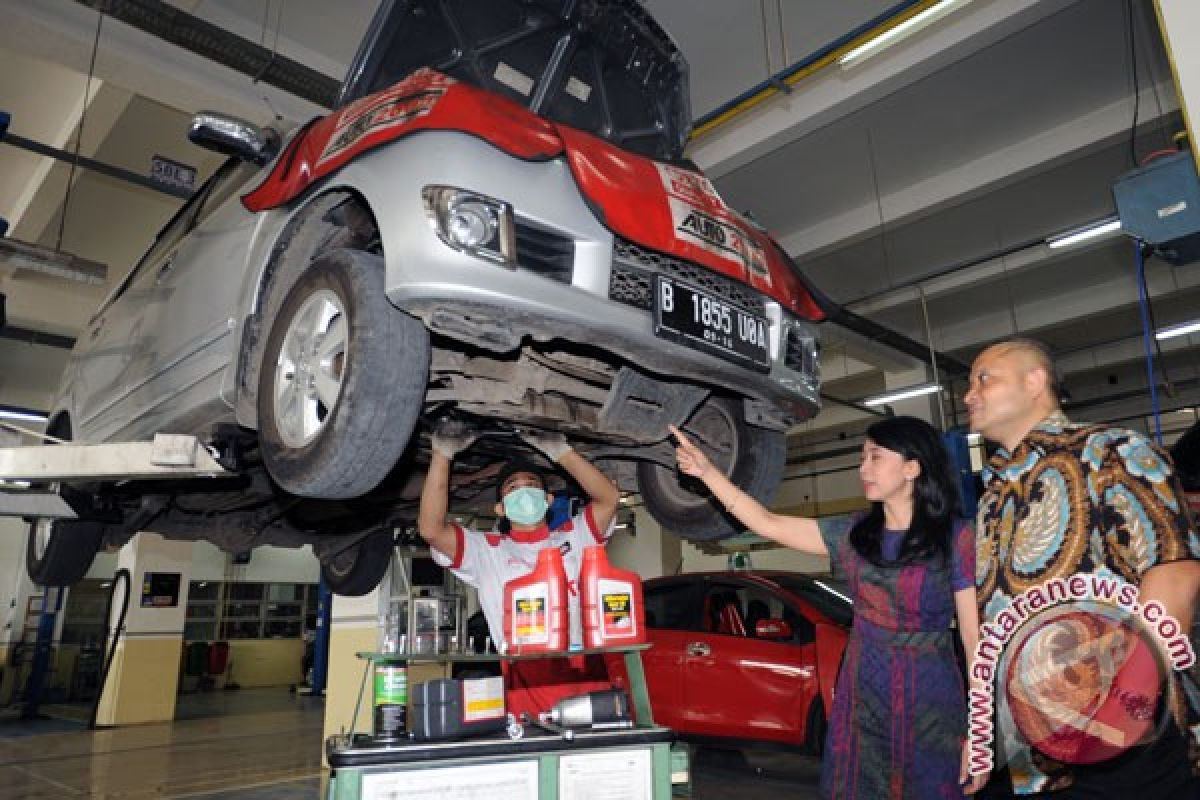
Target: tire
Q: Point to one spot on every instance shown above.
(753, 458)
(60, 552)
(342, 381)
(359, 569)
(815, 728)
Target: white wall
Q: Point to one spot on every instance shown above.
(267, 565)
(14, 584)
(210, 563)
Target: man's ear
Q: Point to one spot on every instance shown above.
(1037, 381)
(499, 509)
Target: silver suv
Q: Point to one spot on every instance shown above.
(495, 224)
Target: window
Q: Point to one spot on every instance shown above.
(204, 598)
(249, 610)
(672, 606)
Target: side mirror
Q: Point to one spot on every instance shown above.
(233, 137)
(772, 629)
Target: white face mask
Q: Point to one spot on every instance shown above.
(526, 506)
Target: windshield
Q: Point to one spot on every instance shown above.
(603, 66)
(830, 597)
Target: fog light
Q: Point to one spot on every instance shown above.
(472, 223)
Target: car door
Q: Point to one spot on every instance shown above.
(193, 326)
(149, 341)
(113, 354)
(672, 619)
(740, 686)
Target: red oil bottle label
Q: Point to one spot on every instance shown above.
(616, 606)
(531, 624)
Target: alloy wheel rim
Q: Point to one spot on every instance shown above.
(310, 368)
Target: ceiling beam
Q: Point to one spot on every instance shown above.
(832, 94)
(217, 44)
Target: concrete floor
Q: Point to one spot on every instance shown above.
(265, 744)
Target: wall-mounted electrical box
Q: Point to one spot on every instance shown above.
(1160, 204)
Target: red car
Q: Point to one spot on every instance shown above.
(751, 656)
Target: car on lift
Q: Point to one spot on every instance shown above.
(496, 222)
(744, 658)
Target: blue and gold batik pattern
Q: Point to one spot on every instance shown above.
(1074, 499)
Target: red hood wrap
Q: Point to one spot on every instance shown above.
(659, 206)
(425, 100)
(678, 211)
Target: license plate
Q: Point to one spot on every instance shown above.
(691, 316)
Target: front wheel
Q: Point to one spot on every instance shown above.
(815, 728)
(342, 380)
(753, 458)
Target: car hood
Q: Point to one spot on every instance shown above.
(660, 206)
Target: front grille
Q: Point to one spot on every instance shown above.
(634, 267)
(548, 254)
(801, 351)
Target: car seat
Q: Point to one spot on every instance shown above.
(725, 614)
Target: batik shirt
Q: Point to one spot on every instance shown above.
(1073, 499)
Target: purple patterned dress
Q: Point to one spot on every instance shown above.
(899, 709)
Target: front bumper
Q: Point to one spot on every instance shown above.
(574, 281)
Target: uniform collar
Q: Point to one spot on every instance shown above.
(539, 534)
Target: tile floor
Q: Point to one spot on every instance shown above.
(265, 744)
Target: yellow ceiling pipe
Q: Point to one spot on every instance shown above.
(800, 74)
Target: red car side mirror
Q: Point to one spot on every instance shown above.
(773, 629)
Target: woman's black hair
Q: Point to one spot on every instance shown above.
(935, 495)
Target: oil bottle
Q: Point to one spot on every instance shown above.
(535, 607)
(611, 598)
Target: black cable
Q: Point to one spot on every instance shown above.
(1137, 94)
(87, 90)
(120, 574)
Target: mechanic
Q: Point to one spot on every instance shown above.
(488, 560)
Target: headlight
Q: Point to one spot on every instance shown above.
(472, 223)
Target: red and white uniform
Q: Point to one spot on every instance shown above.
(489, 560)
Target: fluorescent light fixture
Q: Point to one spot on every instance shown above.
(34, 257)
(1182, 329)
(26, 414)
(902, 394)
(1103, 227)
(898, 32)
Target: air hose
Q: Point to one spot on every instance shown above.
(121, 576)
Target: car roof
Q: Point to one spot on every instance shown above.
(770, 579)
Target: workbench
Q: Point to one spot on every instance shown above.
(622, 764)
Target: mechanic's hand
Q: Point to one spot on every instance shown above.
(692, 460)
(554, 445)
(451, 437)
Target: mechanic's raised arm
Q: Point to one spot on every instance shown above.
(602, 492)
(448, 441)
(798, 533)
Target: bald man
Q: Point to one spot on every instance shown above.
(1062, 500)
